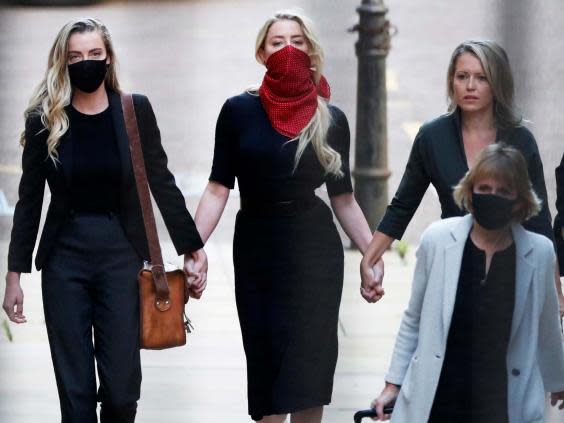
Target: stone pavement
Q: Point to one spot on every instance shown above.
(206, 380)
(188, 57)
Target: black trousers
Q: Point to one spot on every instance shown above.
(91, 303)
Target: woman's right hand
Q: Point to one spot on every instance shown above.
(371, 280)
(13, 298)
(372, 267)
(196, 267)
(387, 397)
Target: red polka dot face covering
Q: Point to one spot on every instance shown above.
(288, 91)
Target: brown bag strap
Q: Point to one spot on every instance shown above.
(157, 269)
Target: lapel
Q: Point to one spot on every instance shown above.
(121, 136)
(453, 251)
(523, 274)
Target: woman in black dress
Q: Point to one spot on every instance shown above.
(480, 112)
(93, 241)
(281, 142)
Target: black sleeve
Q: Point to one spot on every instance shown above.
(27, 213)
(541, 223)
(560, 215)
(559, 173)
(224, 153)
(414, 183)
(170, 200)
(339, 138)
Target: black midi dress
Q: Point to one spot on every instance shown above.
(288, 269)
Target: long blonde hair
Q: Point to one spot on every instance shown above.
(497, 70)
(54, 92)
(315, 132)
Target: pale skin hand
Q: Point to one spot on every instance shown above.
(372, 267)
(196, 267)
(555, 397)
(387, 397)
(372, 278)
(209, 212)
(13, 298)
(354, 224)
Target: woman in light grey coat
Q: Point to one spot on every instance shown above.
(480, 340)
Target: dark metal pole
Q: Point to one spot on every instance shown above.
(371, 159)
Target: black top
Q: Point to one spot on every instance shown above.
(437, 157)
(38, 168)
(473, 379)
(248, 148)
(558, 221)
(96, 167)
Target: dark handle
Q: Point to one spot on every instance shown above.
(359, 415)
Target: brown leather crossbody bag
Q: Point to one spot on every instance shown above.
(162, 295)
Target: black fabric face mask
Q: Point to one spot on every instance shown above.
(492, 211)
(88, 75)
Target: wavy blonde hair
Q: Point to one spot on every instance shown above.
(54, 92)
(497, 70)
(315, 132)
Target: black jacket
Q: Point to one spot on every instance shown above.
(437, 157)
(38, 168)
(559, 220)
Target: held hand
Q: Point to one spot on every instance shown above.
(371, 285)
(196, 267)
(555, 397)
(387, 397)
(13, 298)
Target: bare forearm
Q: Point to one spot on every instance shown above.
(210, 209)
(378, 245)
(352, 220)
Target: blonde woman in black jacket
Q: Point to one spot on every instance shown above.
(93, 242)
(481, 112)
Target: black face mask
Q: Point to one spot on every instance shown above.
(492, 211)
(88, 75)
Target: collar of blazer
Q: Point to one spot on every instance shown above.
(453, 260)
(66, 143)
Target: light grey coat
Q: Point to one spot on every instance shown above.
(535, 353)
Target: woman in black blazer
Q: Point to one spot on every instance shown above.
(93, 242)
(481, 112)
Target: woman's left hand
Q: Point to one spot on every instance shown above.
(196, 267)
(371, 281)
(555, 397)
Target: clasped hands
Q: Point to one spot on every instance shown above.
(196, 267)
(372, 277)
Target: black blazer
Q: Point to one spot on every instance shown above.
(437, 157)
(38, 168)
(559, 220)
